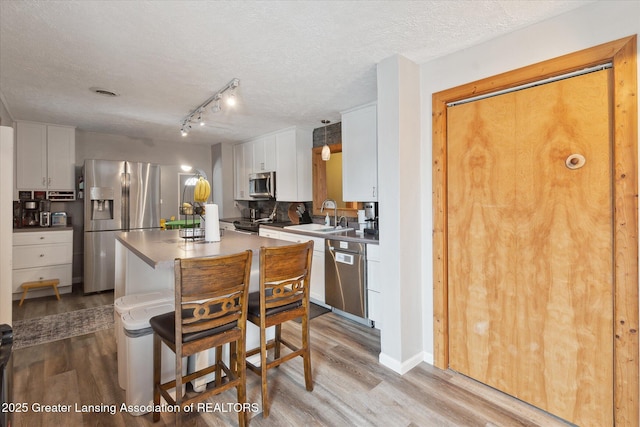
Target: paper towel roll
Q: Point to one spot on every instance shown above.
(211, 223)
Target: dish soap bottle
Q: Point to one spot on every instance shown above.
(327, 221)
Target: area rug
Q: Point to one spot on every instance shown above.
(30, 332)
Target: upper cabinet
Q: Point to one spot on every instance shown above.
(287, 152)
(360, 154)
(242, 167)
(45, 157)
(293, 165)
(264, 154)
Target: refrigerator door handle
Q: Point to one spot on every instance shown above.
(126, 185)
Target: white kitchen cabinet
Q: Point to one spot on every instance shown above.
(264, 154)
(317, 262)
(373, 285)
(360, 154)
(42, 255)
(293, 160)
(242, 166)
(45, 157)
(272, 234)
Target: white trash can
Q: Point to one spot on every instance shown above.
(139, 356)
(125, 304)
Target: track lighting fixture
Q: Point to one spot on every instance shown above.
(196, 115)
(326, 151)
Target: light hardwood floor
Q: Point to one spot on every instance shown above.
(351, 387)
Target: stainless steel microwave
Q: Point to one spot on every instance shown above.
(262, 185)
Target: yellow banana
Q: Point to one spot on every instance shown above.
(202, 190)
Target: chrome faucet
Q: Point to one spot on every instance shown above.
(330, 203)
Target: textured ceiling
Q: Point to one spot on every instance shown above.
(298, 61)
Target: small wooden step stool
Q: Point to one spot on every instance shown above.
(40, 284)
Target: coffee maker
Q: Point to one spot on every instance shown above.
(30, 213)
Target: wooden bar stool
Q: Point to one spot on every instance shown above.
(285, 276)
(40, 284)
(211, 310)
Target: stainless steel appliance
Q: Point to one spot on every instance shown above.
(30, 213)
(45, 213)
(6, 376)
(345, 278)
(120, 196)
(262, 185)
(59, 219)
(45, 219)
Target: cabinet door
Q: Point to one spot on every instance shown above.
(360, 155)
(293, 166)
(31, 156)
(242, 166)
(61, 156)
(286, 171)
(264, 154)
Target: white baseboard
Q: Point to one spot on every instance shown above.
(400, 367)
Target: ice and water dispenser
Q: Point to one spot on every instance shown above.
(101, 202)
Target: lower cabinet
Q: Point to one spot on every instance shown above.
(373, 285)
(42, 255)
(317, 262)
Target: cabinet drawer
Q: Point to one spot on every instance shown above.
(318, 242)
(41, 237)
(41, 255)
(61, 272)
(269, 233)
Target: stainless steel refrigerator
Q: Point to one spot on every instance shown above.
(119, 196)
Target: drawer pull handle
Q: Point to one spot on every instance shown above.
(41, 255)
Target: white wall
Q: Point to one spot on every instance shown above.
(591, 25)
(6, 223)
(169, 154)
(400, 217)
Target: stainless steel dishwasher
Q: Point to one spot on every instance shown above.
(346, 278)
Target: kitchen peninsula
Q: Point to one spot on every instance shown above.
(145, 265)
(144, 259)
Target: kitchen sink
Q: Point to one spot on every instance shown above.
(318, 228)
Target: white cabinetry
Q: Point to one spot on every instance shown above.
(317, 262)
(264, 154)
(373, 285)
(45, 157)
(360, 154)
(242, 167)
(42, 255)
(293, 171)
(288, 153)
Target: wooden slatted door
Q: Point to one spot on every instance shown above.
(529, 230)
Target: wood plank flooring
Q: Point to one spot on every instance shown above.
(351, 387)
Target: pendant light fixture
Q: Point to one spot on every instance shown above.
(326, 152)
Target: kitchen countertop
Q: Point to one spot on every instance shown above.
(38, 229)
(162, 247)
(349, 236)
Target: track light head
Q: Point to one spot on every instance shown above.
(215, 99)
(231, 99)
